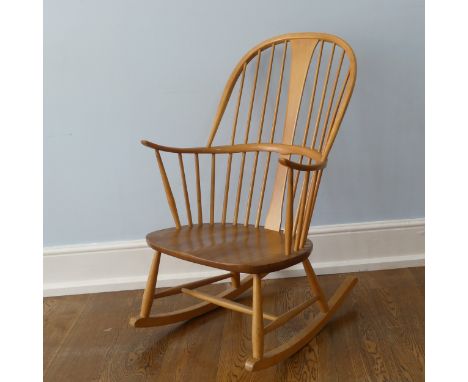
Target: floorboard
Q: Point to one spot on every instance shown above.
(377, 335)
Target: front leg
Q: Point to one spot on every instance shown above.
(257, 319)
(148, 294)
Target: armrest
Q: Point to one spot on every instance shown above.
(303, 167)
(177, 150)
(252, 147)
(315, 163)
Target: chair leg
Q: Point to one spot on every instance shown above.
(148, 294)
(183, 314)
(303, 337)
(235, 280)
(315, 286)
(257, 318)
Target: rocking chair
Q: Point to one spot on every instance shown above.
(319, 72)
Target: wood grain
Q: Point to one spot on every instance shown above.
(230, 247)
(301, 55)
(86, 337)
(255, 249)
(59, 320)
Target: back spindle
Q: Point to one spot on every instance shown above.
(246, 139)
(199, 202)
(310, 108)
(212, 192)
(288, 230)
(259, 138)
(312, 104)
(168, 190)
(233, 137)
(330, 102)
(186, 195)
(272, 135)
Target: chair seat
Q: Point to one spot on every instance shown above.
(236, 248)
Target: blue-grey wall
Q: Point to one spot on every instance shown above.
(117, 71)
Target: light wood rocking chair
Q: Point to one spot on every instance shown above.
(319, 72)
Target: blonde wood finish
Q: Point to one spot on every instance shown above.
(302, 50)
(257, 319)
(315, 286)
(289, 214)
(199, 204)
(191, 311)
(283, 149)
(212, 189)
(233, 136)
(301, 212)
(168, 190)
(247, 131)
(305, 335)
(225, 303)
(272, 134)
(240, 244)
(322, 99)
(186, 195)
(148, 295)
(311, 204)
(260, 131)
(235, 279)
(312, 98)
(335, 113)
(226, 188)
(330, 102)
(195, 284)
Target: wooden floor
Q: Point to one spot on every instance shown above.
(377, 335)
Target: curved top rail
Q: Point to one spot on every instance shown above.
(265, 45)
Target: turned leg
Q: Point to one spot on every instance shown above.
(235, 280)
(304, 336)
(257, 318)
(148, 294)
(315, 286)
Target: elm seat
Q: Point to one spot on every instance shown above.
(237, 248)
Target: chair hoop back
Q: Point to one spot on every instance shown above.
(300, 81)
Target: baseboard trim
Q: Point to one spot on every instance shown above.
(116, 266)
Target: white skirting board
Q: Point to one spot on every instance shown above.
(115, 266)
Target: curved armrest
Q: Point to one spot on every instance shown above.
(303, 167)
(316, 162)
(252, 147)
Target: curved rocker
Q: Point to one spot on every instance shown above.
(260, 360)
(296, 343)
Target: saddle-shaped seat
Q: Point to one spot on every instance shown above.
(237, 248)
